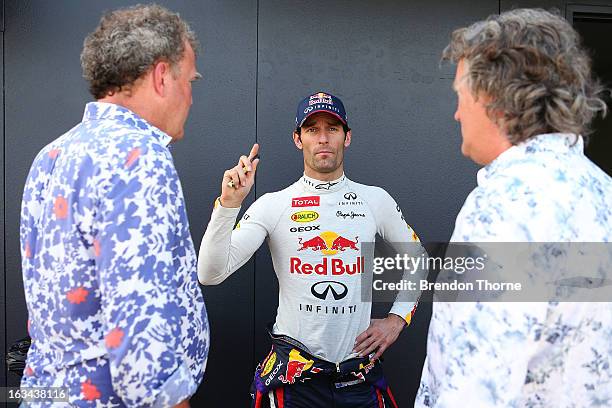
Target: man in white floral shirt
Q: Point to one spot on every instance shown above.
(525, 97)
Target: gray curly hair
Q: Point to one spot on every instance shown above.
(128, 42)
(531, 64)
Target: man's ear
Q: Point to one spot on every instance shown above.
(297, 139)
(160, 73)
(347, 139)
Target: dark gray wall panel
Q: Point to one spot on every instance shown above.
(221, 128)
(2, 230)
(382, 59)
(545, 4)
(46, 96)
(548, 4)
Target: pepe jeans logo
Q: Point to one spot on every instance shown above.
(321, 290)
(350, 215)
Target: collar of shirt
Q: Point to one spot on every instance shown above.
(111, 111)
(564, 143)
(321, 187)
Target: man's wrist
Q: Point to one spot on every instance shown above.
(397, 320)
(227, 204)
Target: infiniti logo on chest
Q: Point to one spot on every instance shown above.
(321, 290)
(350, 198)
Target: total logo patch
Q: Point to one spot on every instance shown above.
(312, 201)
(304, 216)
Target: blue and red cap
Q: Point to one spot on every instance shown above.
(320, 102)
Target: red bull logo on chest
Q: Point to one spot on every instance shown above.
(328, 243)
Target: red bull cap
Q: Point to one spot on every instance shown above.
(320, 102)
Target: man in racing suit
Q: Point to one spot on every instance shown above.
(315, 228)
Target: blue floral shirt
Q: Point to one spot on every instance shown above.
(541, 354)
(116, 314)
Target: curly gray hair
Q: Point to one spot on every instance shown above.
(532, 66)
(128, 42)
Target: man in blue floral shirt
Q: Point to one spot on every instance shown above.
(525, 96)
(116, 314)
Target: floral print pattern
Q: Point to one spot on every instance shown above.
(547, 354)
(116, 314)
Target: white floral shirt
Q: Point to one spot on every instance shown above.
(540, 354)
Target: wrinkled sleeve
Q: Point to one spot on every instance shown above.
(138, 279)
(224, 249)
(394, 229)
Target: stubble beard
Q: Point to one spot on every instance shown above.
(328, 165)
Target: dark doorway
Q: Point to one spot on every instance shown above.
(595, 25)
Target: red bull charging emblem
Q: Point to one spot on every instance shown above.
(295, 367)
(328, 243)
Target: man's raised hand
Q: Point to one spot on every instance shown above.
(237, 181)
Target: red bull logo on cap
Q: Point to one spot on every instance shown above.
(295, 367)
(320, 97)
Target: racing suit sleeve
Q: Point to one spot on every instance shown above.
(224, 249)
(393, 228)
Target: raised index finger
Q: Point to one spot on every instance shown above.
(254, 151)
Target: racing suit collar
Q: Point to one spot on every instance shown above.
(322, 187)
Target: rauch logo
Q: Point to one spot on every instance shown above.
(304, 216)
